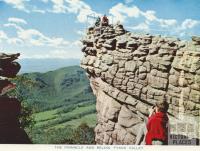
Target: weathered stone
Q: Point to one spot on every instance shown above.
(127, 118)
(157, 82)
(130, 66)
(109, 108)
(173, 80)
(196, 40)
(139, 71)
(103, 67)
(195, 96)
(142, 108)
(108, 46)
(119, 29)
(91, 60)
(129, 139)
(113, 69)
(111, 42)
(195, 86)
(109, 126)
(131, 100)
(190, 105)
(122, 97)
(174, 89)
(132, 44)
(147, 66)
(136, 92)
(88, 42)
(108, 59)
(121, 43)
(142, 76)
(90, 51)
(142, 69)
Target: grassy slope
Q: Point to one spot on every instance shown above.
(52, 116)
(57, 88)
(61, 97)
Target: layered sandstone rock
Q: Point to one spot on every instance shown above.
(10, 107)
(129, 72)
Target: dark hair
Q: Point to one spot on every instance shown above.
(162, 106)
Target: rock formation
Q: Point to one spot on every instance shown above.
(10, 107)
(129, 72)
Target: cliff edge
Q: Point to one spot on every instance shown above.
(129, 72)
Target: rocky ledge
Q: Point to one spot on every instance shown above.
(10, 107)
(129, 72)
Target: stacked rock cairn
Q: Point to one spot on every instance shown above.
(10, 107)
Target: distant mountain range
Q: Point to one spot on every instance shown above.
(44, 65)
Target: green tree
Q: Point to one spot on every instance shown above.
(83, 134)
(26, 117)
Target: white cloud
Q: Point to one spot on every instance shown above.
(18, 4)
(75, 6)
(34, 37)
(13, 25)
(40, 45)
(39, 11)
(189, 23)
(58, 6)
(149, 15)
(81, 9)
(10, 40)
(78, 7)
(17, 20)
(120, 12)
(186, 28)
(166, 22)
(141, 26)
(15, 41)
(22, 6)
(3, 35)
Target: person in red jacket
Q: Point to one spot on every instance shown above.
(157, 125)
(156, 130)
(104, 21)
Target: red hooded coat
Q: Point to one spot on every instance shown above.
(157, 128)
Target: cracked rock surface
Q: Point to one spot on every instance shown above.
(129, 72)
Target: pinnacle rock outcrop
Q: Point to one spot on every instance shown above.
(129, 72)
(10, 107)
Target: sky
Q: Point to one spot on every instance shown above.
(54, 28)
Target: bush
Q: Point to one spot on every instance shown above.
(83, 134)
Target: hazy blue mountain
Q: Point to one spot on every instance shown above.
(44, 65)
